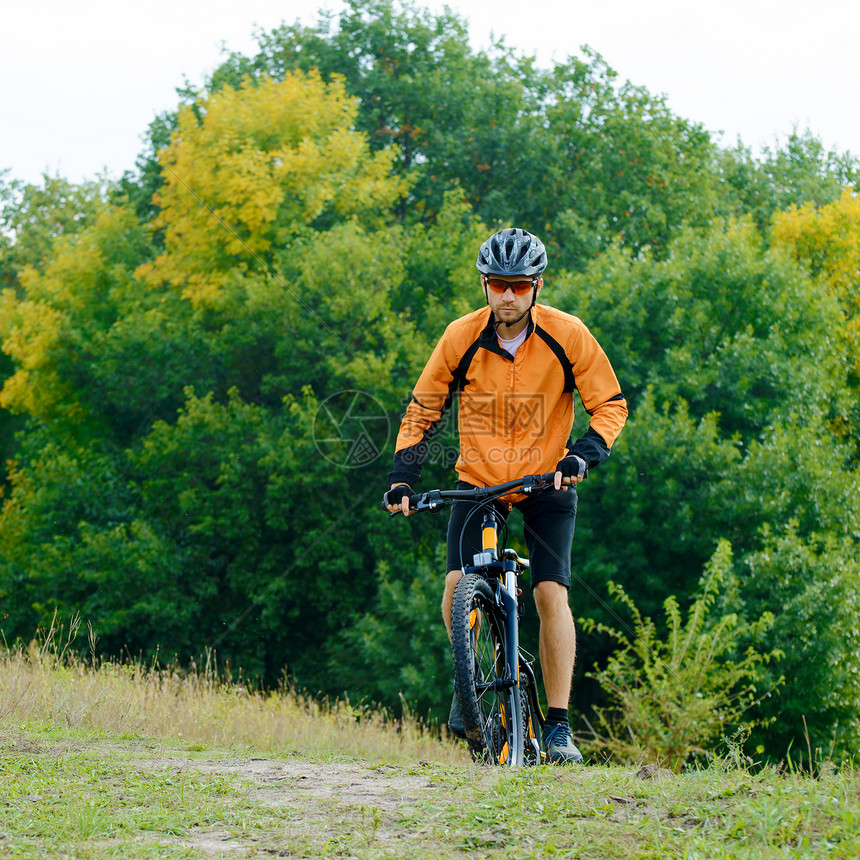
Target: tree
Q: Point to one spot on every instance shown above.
(80, 292)
(570, 153)
(248, 168)
(180, 429)
(811, 585)
(826, 241)
(725, 350)
(798, 172)
(33, 216)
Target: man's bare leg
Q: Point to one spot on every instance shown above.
(557, 643)
(455, 719)
(557, 654)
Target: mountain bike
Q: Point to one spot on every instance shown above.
(493, 677)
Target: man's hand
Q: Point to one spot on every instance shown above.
(571, 470)
(397, 498)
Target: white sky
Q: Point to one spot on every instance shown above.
(80, 81)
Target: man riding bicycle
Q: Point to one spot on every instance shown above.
(514, 367)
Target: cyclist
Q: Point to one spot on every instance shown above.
(513, 366)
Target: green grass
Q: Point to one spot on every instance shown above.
(67, 793)
(104, 760)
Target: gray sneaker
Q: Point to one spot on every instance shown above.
(455, 718)
(558, 743)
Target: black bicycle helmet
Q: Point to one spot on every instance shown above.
(512, 252)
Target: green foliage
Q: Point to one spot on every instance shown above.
(305, 226)
(138, 187)
(251, 167)
(826, 242)
(811, 586)
(70, 542)
(399, 648)
(800, 172)
(33, 216)
(722, 349)
(731, 328)
(215, 510)
(671, 699)
(729, 354)
(586, 161)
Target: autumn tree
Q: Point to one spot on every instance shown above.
(826, 240)
(173, 464)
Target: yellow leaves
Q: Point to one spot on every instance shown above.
(249, 168)
(827, 241)
(82, 278)
(30, 330)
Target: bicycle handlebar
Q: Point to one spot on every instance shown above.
(433, 499)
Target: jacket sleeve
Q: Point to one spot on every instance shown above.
(601, 396)
(431, 397)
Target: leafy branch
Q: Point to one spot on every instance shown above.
(673, 699)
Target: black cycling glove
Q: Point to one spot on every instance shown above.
(572, 466)
(395, 495)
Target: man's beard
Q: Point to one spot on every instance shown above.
(501, 322)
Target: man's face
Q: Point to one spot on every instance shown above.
(509, 306)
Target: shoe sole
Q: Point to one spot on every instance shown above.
(562, 759)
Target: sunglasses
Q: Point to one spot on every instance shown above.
(518, 287)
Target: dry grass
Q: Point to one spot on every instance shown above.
(48, 683)
(69, 792)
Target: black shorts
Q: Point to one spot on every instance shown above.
(548, 523)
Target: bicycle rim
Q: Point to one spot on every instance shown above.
(490, 705)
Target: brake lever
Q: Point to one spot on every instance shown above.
(531, 483)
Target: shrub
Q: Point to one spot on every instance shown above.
(673, 699)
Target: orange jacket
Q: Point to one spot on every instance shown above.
(515, 414)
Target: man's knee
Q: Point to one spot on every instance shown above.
(451, 580)
(550, 596)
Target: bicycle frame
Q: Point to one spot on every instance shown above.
(500, 573)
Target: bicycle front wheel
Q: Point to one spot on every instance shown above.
(489, 696)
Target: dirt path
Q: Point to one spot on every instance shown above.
(323, 807)
(90, 798)
(86, 797)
